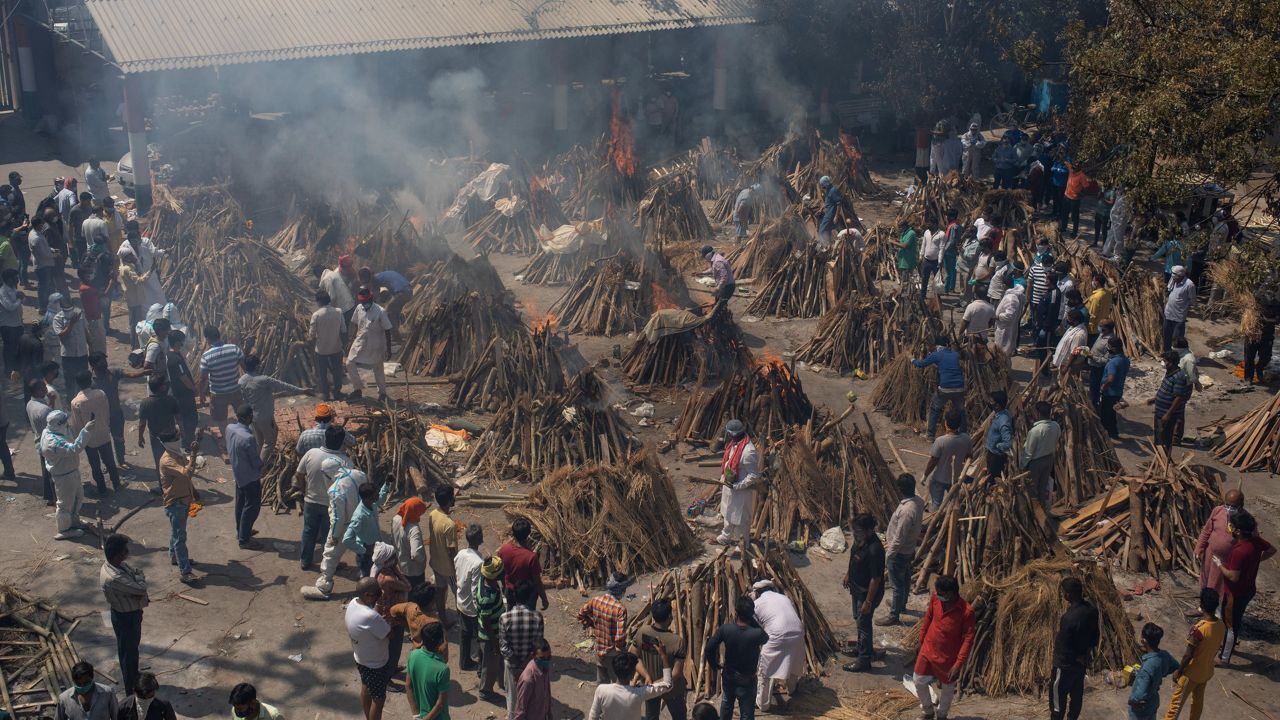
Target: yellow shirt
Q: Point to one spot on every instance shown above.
(1210, 634)
(443, 543)
(1099, 306)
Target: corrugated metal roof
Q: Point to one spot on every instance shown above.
(148, 35)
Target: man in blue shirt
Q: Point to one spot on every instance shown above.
(1112, 387)
(950, 381)
(398, 291)
(830, 204)
(1144, 698)
(1171, 400)
(246, 468)
(999, 435)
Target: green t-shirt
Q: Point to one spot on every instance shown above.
(907, 256)
(430, 678)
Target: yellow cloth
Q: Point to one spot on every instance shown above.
(1211, 633)
(1099, 306)
(443, 542)
(1183, 689)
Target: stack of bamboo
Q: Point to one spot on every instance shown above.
(822, 474)
(453, 336)
(520, 363)
(928, 205)
(447, 280)
(1139, 312)
(508, 228)
(990, 529)
(1169, 505)
(617, 294)
(715, 169)
(767, 398)
(904, 391)
(768, 248)
(178, 212)
(1017, 618)
(709, 351)
(671, 212)
(243, 287)
(857, 334)
(1252, 441)
(35, 665)
(595, 519)
(531, 437)
(811, 282)
(702, 599)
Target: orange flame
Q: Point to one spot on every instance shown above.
(855, 156)
(547, 324)
(661, 298)
(622, 142)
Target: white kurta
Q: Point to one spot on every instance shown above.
(736, 502)
(370, 343)
(148, 255)
(783, 656)
(1008, 313)
(332, 282)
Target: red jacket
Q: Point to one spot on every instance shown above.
(946, 636)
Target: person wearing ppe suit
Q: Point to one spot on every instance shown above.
(62, 460)
(973, 142)
(344, 496)
(740, 473)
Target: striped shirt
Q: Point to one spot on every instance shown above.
(1038, 280)
(313, 438)
(1175, 385)
(221, 364)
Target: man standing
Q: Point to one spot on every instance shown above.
(1002, 276)
(176, 470)
(1039, 451)
(908, 249)
(520, 563)
(337, 283)
(1182, 294)
(1066, 356)
(1047, 315)
(946, 636)
(533, 689)
(1240, 576)
(86, 699)
(1078, 636)
(315, 494)
(219, 376)
(489, 594)
(946, 460)
(369, 633)
(606, 617)
(246, 468)
(91, 301)
(1099, 354)
(901, 538)
(62, 459)
(81, 213)
(1111, 389)
(1196, 668)
(1257, 347)
(326, 330)
(950, 390)
(865, 581)
(158, 413)
(107, 380)
(978, 315)
(182, 386)
(1008, 317)
(125, 588)
(1171, 401)
(427, 677)
(1098, 305)
(371, 345)
(10, 318)
(90, 404)
(743, 642)
(519, 630)
(45, 259)
(831, 201)
(37, 419)
(930, 259)
(442, 547)
(621, 700)
(740, 474)
(259, 392)
(720, 272)
(466, 572)
(73, 341)
(1215, 540)
(973, 142)
(399, 289)
(644, 645)
(951, 249)
(783, 656)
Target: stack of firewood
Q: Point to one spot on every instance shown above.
(671, 212)
(1168, 505)
(1252, 441)
(768, 398)
(532, 436)
(596, 519)
(549, 267)
(508, 228)
(1139, 311)
(702, 599)
(768, 248)
(519, 363)
(865, 333)
(617, 294)
(35, 667)
(453, 336)
(928, 205)
(709, 351)
(904, 391)
(812, 281)
(177, 213)
(449, 279)
(603, 185)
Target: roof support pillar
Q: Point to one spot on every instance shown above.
(135, 125)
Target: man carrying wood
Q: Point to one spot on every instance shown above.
(783, 656)
(740, 474)
(950, 388)
(946, 636)
(1039, 451)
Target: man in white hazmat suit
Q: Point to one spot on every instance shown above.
(62, 460)
(1008, 314)
(344, 496)
(782, 657)
(740, 473)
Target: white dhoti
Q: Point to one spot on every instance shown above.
(782, 658)
(735, 508)
(70, 494)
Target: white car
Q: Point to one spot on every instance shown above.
(124, 173)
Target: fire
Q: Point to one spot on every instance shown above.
(416, 222)
(547, 324)
(770, 366)
(661, 298)
(622, 142)
(855, 156)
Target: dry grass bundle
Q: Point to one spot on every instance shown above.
(454, 335)
(1252, 441)
(826, 474)
(531, 437)
(768, 248)
(811, 282)
(702, 600)
(671, 212)
(243, 287)
(617, 294)
(877, 704)
(592, 520)
(709, 351)
(1169, 504)
(990, 529)
(520, 363)
(36, 665)
(1139, 311)
(1017, 617)
(767, 398)
(1238, 299)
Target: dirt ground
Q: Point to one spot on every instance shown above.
(252, 624)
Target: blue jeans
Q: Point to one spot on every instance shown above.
(177, 514)
(938, 404)
(949, 267)
(864, 621)
(315, 525)
(900, 581)
(743, 690)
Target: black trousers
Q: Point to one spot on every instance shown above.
(1107, 414)
(10, 335)
(1066, 693)
(996, 463)
(1257, 355)
(128, 630)
(248, 505)
(99, 456)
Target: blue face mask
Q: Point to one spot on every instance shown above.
(543, 664)
(85, 689)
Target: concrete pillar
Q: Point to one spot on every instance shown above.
(720, 75)
(29, 100)
(824, 108)
(134, 125)
(560, 90)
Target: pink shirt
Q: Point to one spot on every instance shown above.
(1214, 540)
